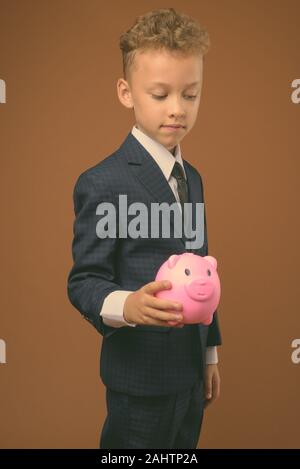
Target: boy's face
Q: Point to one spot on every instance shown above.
(172, 102)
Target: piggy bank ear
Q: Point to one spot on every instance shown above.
(173, 260)
(212, 261)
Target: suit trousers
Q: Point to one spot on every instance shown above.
(164, 421)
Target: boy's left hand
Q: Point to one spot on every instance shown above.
(212, 384)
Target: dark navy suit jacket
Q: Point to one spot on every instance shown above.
(146, 359)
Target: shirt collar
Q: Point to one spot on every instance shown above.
(163, 157)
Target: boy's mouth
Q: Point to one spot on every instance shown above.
(174, 127)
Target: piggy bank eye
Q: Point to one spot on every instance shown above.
(187, 272)
(208, 272)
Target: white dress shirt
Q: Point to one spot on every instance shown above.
(113, 305)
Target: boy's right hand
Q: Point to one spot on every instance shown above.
(142, 307)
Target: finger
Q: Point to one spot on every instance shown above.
(157, 285)
(216, 387)
(175, 323)
(214, 390)
(170, 315)
(159, 317)
(208, 389)
(160, 303)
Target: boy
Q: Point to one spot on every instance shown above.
(159, 375)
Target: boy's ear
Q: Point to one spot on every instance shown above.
(124, 93)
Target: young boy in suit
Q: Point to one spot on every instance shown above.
(159, 374)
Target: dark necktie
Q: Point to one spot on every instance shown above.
(182, 188)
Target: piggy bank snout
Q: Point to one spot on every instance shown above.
(200, 289)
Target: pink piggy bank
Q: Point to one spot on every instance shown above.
(195, 284)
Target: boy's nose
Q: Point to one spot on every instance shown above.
(176, 108)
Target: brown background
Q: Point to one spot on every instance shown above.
(61, 61)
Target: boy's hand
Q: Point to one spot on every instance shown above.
(142, 307)
(212, 384)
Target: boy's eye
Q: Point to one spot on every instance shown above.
(162, 97)
(208, 272)
(187, 272)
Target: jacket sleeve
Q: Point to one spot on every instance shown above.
(214, 334)
(92, 276)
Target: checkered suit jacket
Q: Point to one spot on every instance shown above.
(146, 359)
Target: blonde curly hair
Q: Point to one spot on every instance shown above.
(163, 29)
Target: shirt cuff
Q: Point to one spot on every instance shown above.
(112, 309)
(211, 355)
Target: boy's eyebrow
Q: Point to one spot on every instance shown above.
(159, 83)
